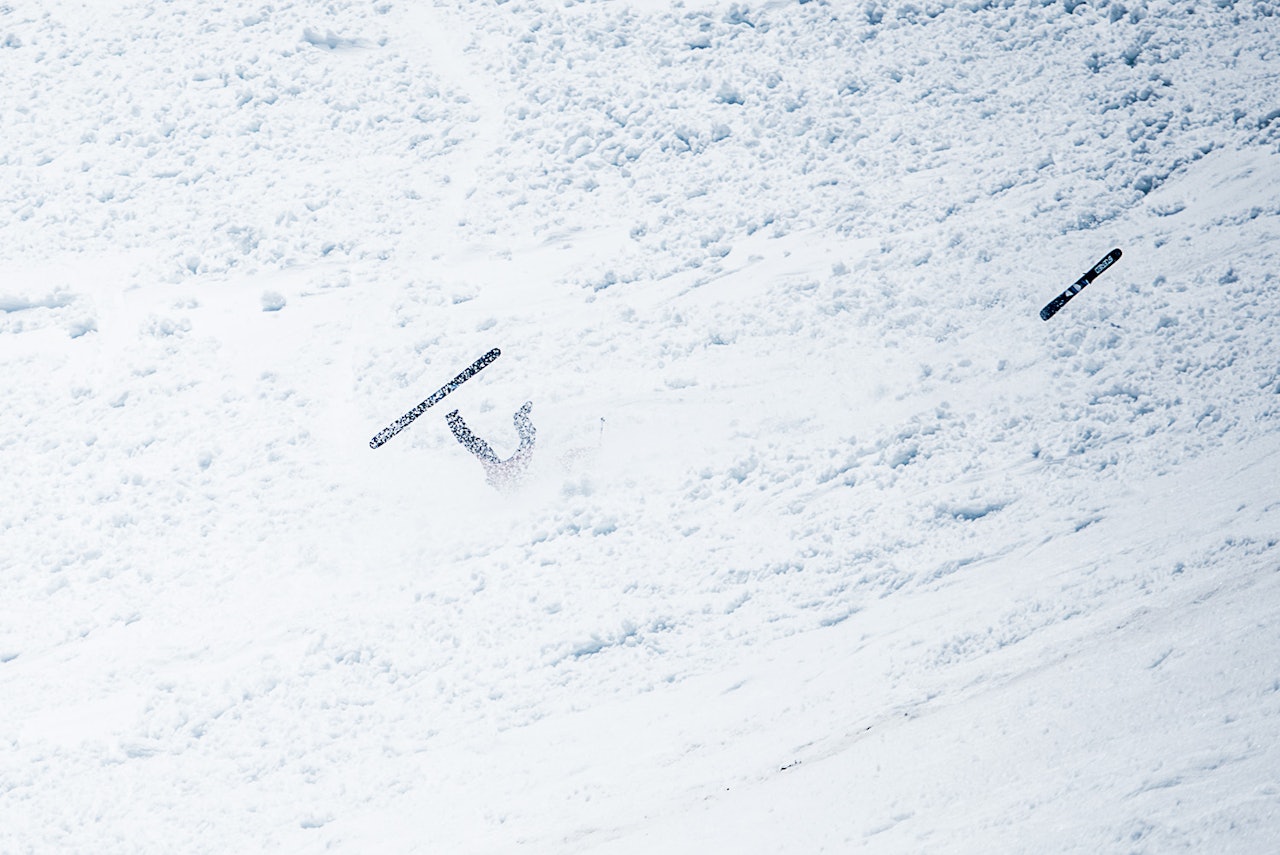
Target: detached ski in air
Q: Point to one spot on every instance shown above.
(436, 397)
(1079, 285)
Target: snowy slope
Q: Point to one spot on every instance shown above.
(830, 543)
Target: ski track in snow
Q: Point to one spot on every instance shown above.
(830, 543)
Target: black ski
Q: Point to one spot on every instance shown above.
(436, 396)
(1061, 300)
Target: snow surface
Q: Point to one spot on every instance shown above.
(830, 543)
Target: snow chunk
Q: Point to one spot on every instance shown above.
(970, 511)
(330, 40)
(81, 326)
(56, 300)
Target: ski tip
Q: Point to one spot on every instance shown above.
(1116, 252)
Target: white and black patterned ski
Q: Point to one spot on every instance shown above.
(1079, 285)
(435, 398)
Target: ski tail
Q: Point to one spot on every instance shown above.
(436, 397)
(1079, 285)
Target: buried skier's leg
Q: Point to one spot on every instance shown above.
(507, 473)
(470, 441)
(524, 427)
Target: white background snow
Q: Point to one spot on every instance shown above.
(830, 543)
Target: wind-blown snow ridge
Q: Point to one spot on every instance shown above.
(829, 544)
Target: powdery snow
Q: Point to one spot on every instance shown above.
(829, 543)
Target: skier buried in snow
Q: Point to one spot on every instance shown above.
(501, 474)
